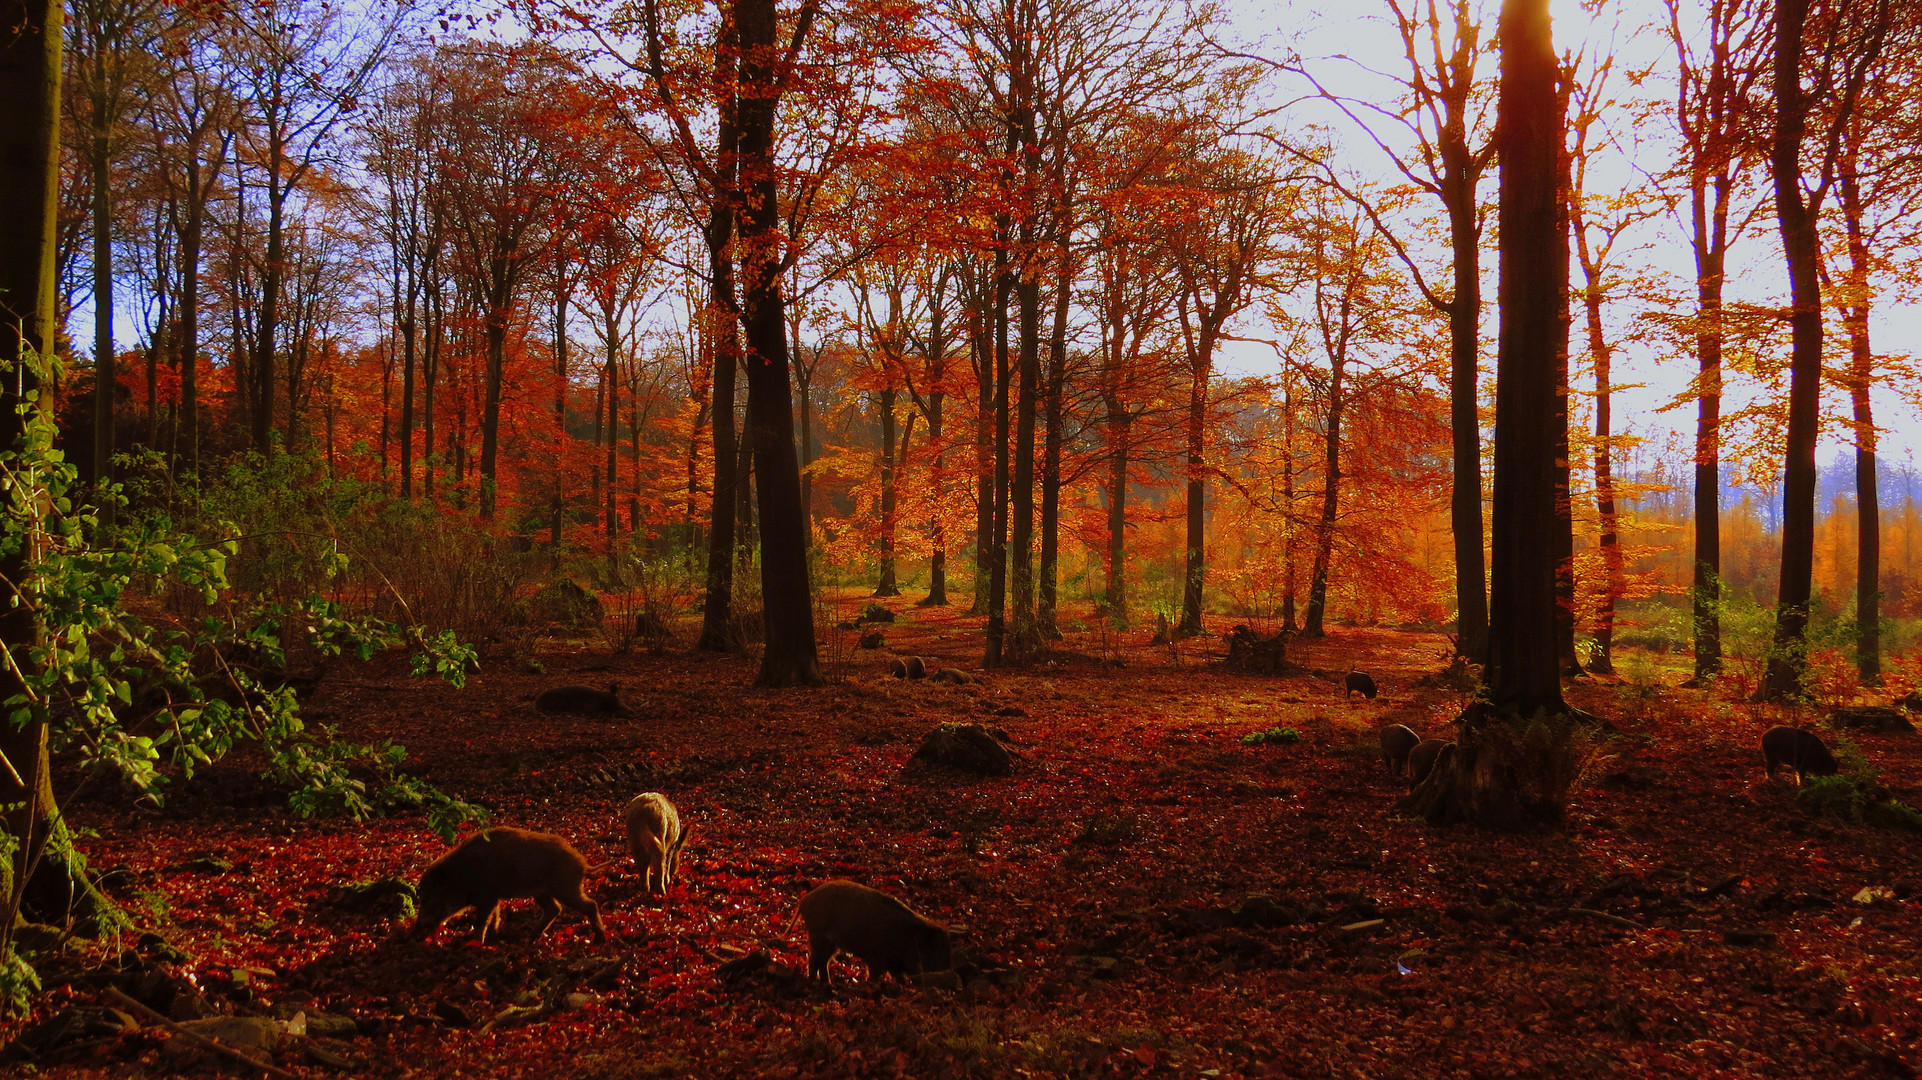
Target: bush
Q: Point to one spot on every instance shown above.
(1896, 815)
(1832, 796)
(1284, 736)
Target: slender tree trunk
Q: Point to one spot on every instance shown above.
(1021, 495)
(264, 358)
(887, 586)
(1330, 502)
(1464, 362)
(790, 658)
(496, 324)
(1203, 366)
(100, 162)
(1116, 585)
(558, 506)
(1047, 598)
(997, 630)
(1600, 660)
(611, 513)
(717, 628)
(1710, 220)
(982, 347)
(1868, 510)
(937, 533)
(188, 342)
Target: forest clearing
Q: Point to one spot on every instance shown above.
(1147, 894)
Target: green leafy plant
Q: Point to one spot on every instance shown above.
(1283, 735)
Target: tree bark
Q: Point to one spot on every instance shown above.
(1523, 674)
(30, 68)
(1330, 500)
(717, 631)
(1855, 319)
(887, 585)
(789, 658)
(1801, 249)
(1600, 660)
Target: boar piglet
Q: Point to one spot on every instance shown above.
(504, 864)
(1359, 682)
(655, 835)
(1799, 749)
(1396, 742)
(881, 931)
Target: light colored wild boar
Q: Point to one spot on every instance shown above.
(884, 933)
(505, 864)
(908, 667)
(1396, 743)
(655, 835)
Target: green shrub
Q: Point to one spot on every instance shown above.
(1895, 814)
(1832, 796)
(1286, 736)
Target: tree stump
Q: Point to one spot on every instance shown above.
(1870, 718)
(1249, 651)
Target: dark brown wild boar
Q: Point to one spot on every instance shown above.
(1396, 743)
(908, 667)
(1359, 682)
(583, 701)
(1801, 750)
(1421, 760)
(884, 933)
(505, 864)
(655, 836)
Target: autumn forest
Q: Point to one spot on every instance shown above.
(1185, 541)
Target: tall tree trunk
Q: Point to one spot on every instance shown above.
(1021, 495)
(1464, 361)
(1330, 502)
(937, 533)
(1051, 404)
(717, 628)
(790, 658)
(1192, 579)
(430, 376)
(997, 630)
(30, 39)
(496, 324)
(264, 358)
(887, 586)
(1600, 660)
(1709, 218)
(558, 506)
(187, 444)
(1801, 249)
(612, 515)
(1855, 317)
(100, 163)
(1523, 670)
(1116, 585)
(982, 349)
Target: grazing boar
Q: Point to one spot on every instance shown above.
(881, 931)
(503, 864)
(872, 639)
(655, 835)
(953, 677)
(1421, 760)
(1396, 743)
(583, 701)
(1801, 750)
(908, 667)
(1358, 682)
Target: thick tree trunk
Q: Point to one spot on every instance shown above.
(1801, 249)
(1021, 530)
(30, 40)
(1523, 672)
(997, 630)
(717, 632)
(1710, 221)
(789, 658)
(1048, 588)
(982, 349)
(1196, 566)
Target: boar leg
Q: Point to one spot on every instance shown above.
(579, 902)
(551, 909)
(490, 918)
(818, 957)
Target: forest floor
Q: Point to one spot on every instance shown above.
(1099, 894)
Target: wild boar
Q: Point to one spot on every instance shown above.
(655, 835)
(1421, 760)
(1358, 682)
(1396, 742)
(908, 667)
(1802, 750)
(504, 864)
(584, 701)
(954, 677)
(881, 931)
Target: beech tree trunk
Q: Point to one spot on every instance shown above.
(887, 585)
(1330, 501)
(1868, 510)
(1801, 249)
(717, 628)
(1600, 660)
(30, 41)
(789, 658)
(1523, 672)
(1464, 369)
